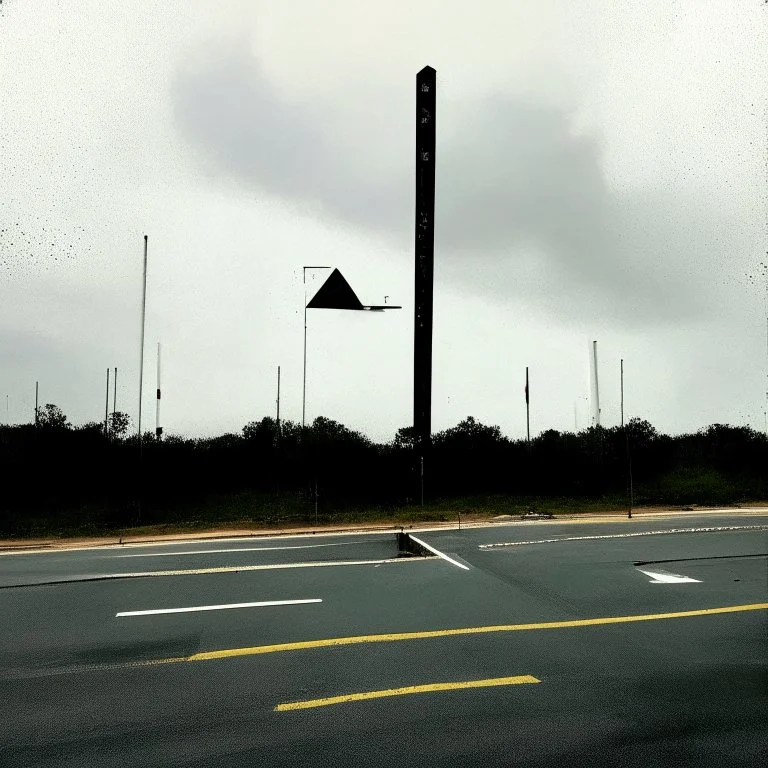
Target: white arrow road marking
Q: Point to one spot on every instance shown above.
(665, 577)
(194, 608)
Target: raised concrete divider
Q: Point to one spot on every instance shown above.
(407, 546)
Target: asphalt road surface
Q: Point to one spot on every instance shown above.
(617, 643)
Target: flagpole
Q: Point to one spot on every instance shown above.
(106, 409)
(158, 428)
(141, 343)
(141, 377)
(527, 409)
(597, 386)
(622, 391)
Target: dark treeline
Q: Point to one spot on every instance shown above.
(55, 472)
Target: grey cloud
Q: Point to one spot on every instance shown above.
(513, 179)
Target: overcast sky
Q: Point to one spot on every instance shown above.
(601, 174)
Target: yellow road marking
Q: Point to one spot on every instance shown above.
(392, 637)
(429, 688)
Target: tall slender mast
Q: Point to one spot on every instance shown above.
(37, 389)
(278, 402)
(765, 273)
(158, 428)
(527, 408)
(622, 391)
(114, 396)
(597, 386)
(141, 348)
(304, 386)
(424, 246)
(106, 409)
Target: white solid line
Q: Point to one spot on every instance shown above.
(439, 553)
(665, 577)
(234, 549)
(711, 529)
(217, 607)
(243, 568)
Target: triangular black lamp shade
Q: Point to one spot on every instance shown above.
(335, 293)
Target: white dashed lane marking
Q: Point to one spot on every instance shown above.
(712, 529)
(225, 607)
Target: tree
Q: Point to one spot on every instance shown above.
(641, 432)
(262, 432)
(50, 416)
(117, 424)
(405, 438)
(471, 433)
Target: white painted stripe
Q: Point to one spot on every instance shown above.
(439, 553)
(665, 577)
(233, 549)
(243, 568)
(628, 535)
(193, 609)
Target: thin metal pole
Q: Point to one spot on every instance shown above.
(422, 480)
(629, 475)
(141, 348)
(527, 408)
(597, 387)
(37, 389)
(630, 487)
(622, 391)
(278, 402)
(106, 409)
(141, 380)
(158, 429)
(315, 503)
(114, 397)
(304, 388)
(7, 417)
